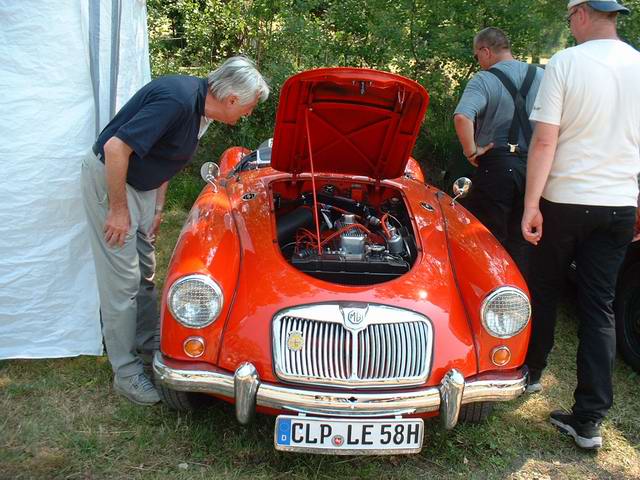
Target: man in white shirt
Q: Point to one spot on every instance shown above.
(580, 201)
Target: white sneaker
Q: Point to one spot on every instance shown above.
(136, 388)
(533, 383)
(534, 387)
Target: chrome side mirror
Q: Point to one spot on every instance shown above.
(461, 188)
(209, 172)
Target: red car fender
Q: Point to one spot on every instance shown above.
(208, 245)
(481, 265)
(230, 158)
(413, 170)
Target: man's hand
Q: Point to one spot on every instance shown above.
(465, 131)
(157, 219)
(116, 227)
(541, 154)
(116, 162)
(155, 226)
(473, 157)
(532, 225)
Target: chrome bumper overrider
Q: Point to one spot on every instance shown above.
(248, 392)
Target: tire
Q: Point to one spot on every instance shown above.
(183, 401)
(475, 412)
(627, 310)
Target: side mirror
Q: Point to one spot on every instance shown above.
(209, 172)
(461, 188)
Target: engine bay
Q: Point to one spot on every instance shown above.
(363, 234)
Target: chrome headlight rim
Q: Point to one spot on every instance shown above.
(207, 280)
(490, 297)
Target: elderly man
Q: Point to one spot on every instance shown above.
(124, 180)
(582, 183)
(492, 123)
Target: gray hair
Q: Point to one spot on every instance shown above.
(238, 76)
(493, 38)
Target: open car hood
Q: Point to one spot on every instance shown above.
(359, 121)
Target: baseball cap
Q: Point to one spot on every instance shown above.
(601, 5)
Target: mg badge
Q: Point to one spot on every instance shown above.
(295, 341)
(354, 317)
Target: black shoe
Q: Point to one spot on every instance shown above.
(585, 433)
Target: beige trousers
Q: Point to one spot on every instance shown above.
(128, 298)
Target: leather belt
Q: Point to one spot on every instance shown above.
(503, 153)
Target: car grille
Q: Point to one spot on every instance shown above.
(391, 347)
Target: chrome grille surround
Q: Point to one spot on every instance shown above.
(352, 345)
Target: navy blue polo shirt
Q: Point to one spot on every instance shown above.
(161, 124)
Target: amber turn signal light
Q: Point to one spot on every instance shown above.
(500, 356)
(194, 346)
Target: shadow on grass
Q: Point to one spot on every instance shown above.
(511, 444)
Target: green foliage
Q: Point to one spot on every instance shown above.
(629, 25)
(428, 41)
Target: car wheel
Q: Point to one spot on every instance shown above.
(627, 309)
(475, 412)
(183, 401)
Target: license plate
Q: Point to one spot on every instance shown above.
(348, 436)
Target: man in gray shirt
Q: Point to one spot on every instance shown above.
(495, 138)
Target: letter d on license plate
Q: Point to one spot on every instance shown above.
(348, 436)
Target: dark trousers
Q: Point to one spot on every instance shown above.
(597, 238)
(496, 199)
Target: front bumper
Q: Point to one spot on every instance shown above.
(248, 392)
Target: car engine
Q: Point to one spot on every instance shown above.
(359, 244)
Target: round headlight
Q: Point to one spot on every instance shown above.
(195, 301)
(505, 312)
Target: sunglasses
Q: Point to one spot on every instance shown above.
(568, 18)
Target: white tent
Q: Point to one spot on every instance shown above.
(65, 69)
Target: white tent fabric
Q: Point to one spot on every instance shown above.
(65, 68)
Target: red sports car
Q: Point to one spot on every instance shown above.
(319, 279)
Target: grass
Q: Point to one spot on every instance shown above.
(60, 420)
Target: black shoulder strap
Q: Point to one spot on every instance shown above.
(528, 80)
(520, 119)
